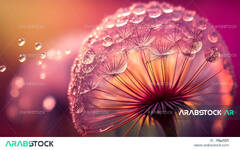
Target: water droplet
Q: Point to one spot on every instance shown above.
(212, 54)
(162, 47)
(22, 57)
(176, 16)
(88, 58)
(42, 76)
(67, 52)
(3, 68)
(189, 16)
(21, 42)
(213, 37)
(122, 21)
(107, 41)
(138, 9)
(124, 12)
(79, 108)
(167, 8)
(38, 46)
(43, 55)
(137, 19)
(88, 68)
(189, 47)
(116, 64)
(202, 24)
(154, 10)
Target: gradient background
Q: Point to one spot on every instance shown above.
(46, 21)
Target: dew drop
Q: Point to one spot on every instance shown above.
(154, 10)
(190, 47)
(138, 9)
(212, 54)
(167, 8)
(43, 55)
(122, 21)
(202, 24)
(213, 37)
(79, 108)
(3, 68)
(21, 42)
(107, 41)
(38, 46)
(116, 64)
(22, 57)
(137, 19)
(189, 16)
(88, 58)
(68, 51)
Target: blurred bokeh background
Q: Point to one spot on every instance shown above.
(33, 94)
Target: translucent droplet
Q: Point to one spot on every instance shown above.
(21, 42)
(154, 10)
(116, 64)
(213, 37)
(39, 62)
(3, 68)
(107, 41)
(137, 19)
(138, 9)
(79, 109)
(67, 52)
(88, 58)
(42, 76)
(22, 57)
(176, 16)
(190, 47)
(212, 54)
(88, 68)
(43, 55)
(122, 21)
(202, 24)
(167, 8)
(189, 16)
(38, 46)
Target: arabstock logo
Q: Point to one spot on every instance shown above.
(29, 144)
(206, 112)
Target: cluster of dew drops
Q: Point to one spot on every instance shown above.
(23, 57)
(118, 32)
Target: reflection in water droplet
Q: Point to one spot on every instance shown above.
(202, 24)
(137, 18)
(213, 37)
(43, 55)
(138, 9)
(116, 64)
(122, 21)
(167, 8)
(80, 108)
(88, 58)
(107, 41)
(21, 42)
(67, 52)
(3, 68)
(190, 47)
(189, 16)
(38, 46)
(212, 54)
(22, 57)
(154, 10)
